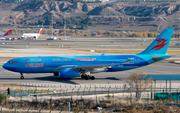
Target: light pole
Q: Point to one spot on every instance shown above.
(69, 107)
(65, 26)
(160, 87)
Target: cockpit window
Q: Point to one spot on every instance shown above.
(10, 62)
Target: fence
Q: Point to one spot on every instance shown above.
(51, 97)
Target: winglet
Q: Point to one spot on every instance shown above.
(160, 44)
(8, 33)
(102, 54)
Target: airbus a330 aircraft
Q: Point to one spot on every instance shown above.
(32, 35)
(7, 33)
(74, 66)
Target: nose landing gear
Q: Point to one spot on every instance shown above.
(22, 77)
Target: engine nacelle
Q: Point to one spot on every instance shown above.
(68, 73)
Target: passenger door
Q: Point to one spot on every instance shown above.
(45, 62)
(137, 60)
(20, 62)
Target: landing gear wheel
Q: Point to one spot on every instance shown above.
(86, 77)
(92, 78)
(22, 77)
(82, 76)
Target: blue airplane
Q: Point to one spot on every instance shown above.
(67, 67)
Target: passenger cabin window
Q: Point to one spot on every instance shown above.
(36, 59)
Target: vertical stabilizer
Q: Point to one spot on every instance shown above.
(40, 32)
(160, 44)
(8, 33)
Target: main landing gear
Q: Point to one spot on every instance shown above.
(22, 77)
(87, 77)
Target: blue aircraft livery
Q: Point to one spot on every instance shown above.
(66, 67)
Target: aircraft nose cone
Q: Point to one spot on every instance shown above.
(4, 66)
(10, 68)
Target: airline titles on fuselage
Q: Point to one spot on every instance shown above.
(61, 59)
(35, 65)
(86, 59)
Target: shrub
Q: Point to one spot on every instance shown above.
(86, 111)
(2, 97)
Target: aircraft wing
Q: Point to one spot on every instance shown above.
(88, 66)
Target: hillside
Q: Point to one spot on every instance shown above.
(106, 16)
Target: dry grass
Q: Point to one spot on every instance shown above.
(48, 107)
(6, 58)
(123, 51)
(76, 109)
(65, 108)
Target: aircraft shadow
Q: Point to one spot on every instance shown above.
(112, 78)
(53, 79)
(50, 78)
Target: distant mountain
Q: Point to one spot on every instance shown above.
(120, 15)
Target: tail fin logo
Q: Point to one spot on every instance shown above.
(161, 43)
(27, 59)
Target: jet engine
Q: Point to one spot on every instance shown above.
(67, 73)
(35, 37)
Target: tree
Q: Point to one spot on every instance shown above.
(61, 31)
(59, 23)
(34, 3)
(87, 21)
(49, 32)
(87, 34)
(178, 39)
(116, 34)
(10, 17)
(47, 22)
(151, 34)
(137, 82)
(40, 22)
(108, 33)
(100, 32)
(72, 31)
(133, 34)
(76, 31)
(15, 31)
(156, 34)
(145, 34)
(44, 31)
(141, 34)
